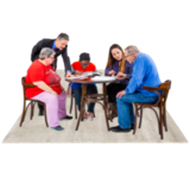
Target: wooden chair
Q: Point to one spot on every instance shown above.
(71, 105)
(161, 104)
(32, 103)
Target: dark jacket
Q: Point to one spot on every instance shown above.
(49, 43)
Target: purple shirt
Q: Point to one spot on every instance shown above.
(128, 71)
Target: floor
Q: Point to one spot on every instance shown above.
(35, 130)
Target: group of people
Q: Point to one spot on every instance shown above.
(136, 69)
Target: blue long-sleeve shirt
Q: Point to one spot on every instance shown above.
(128, 71)
(53, 46)
(144, 74)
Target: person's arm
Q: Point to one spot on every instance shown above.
(107, 71)
(66, 61)
(36, 50)
(129, 71)
(42, 85)
(137, 77)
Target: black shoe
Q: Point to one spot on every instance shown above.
(57, 128)
(66, 118)
(41, 112)
(118, 129)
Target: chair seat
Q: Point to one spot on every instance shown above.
(147, 105)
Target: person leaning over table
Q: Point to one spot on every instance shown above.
(118, 66)
(59, 45)
(144, 74)
(47, 88)
(81, 66)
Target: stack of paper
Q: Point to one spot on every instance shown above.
(104, 78)
(77, 77)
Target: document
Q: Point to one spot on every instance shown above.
(77, 77)
(104, 78)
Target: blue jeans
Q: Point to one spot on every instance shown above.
(78, 93)
(125, 107)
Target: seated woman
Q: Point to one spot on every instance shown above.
(117, 66)
(48, 88)
(81, 66)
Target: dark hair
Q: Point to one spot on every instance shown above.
(84, 56)
(63, 36)
(112, 60)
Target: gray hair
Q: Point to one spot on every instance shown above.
(46, 52)
(132, 50)
(63, 36)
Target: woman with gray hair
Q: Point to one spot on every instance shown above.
(47, 88)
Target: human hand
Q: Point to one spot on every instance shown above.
(112, 72)
(120, 74)
(68, 74)
(78, 73)
(120, 94)
(54, 93)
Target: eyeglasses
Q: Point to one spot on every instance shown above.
(51, 57)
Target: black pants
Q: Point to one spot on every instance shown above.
(41, 108)
(113, 89)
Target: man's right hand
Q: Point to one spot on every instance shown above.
(68, 74)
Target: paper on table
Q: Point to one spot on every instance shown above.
(77, 77)
(103, 78)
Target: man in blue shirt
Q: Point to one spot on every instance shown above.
(144, 74)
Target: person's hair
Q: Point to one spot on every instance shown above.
(63, 36)
(112, 60)
(46, 52)
(132, 50)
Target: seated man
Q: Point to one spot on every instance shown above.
(144, 74)
(84, 65)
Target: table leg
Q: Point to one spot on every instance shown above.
(82, 108)
(105, 104)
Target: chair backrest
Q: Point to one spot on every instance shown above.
(164, 88)
(25, 85)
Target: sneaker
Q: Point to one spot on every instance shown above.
(66, 118)
(57, 128)
(85, 116)
(90, 116)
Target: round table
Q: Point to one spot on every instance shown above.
(87, 98)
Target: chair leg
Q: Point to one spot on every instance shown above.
(135, 124)
(164, 119)
(24, 112)
(45, 115)
(32, 110)
(161, 122)
(75, 110)
(141, 114)
(71, 106)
